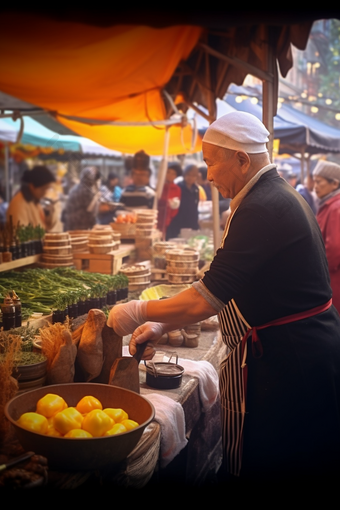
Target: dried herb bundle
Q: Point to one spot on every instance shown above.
(10, 346)
(57, 345)
(52, 339)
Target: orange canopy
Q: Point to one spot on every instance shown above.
(92, 77)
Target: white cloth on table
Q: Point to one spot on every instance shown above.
(208, 382)
(170, 415)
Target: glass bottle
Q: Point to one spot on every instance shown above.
(8, 313)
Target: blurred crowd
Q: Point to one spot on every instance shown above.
(92, 200)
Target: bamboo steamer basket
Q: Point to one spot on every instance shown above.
(180, 271)
(182, 255)
(56, 236)
(100, 239)
(56, 260)
(161, 247)
(116, 236)
(144, 278)
(79, 244)
(55, 243)
(135, 270)
(181, 278)
(144, 231)
(78, 233)
(101, 249)
(58, 250)
(146, 214)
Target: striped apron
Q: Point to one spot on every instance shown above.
(233, 371)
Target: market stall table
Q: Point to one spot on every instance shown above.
(194, 464)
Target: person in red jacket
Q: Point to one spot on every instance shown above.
(326, 176)
(169, 202)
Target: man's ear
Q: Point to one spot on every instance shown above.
(243, 160)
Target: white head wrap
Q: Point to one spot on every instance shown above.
(238, 131)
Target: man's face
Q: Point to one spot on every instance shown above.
(40, 191)
(224, 171)
(140, 177)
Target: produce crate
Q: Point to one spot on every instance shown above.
(108, 263)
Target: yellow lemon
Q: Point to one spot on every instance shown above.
(87, 404)
(130, 424)
(52, 431)
(34, 422)
(78, 433)
(117, 428)
(117, 414)
(68, 419)
(97, 422)
(50, 404)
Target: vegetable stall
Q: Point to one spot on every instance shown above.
(63, 310)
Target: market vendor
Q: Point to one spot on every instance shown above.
(25, 206)
(139, 194)
(269, 284)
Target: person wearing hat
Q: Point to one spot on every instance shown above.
(269, 284)
(25, 207)
(326, 177)
(139, 194)
(82, 204)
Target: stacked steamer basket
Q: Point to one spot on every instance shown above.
(57, 250)
(146, 222)
(138, 276)
(101, 242)
(79, 241)
(146, 233)
(182, 265)
(108, 231)
(159, 250)
(159, 261)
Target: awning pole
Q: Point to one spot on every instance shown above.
(212, 110)
(302, 166)
(162, 168)
(7, 197)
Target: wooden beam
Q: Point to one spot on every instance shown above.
(250, 69)
(268, 92)
(200, 112)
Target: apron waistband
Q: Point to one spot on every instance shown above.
(256, 343)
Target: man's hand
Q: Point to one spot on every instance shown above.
(126, 317)
(149, 332)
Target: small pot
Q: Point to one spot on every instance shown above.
(164, 375)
